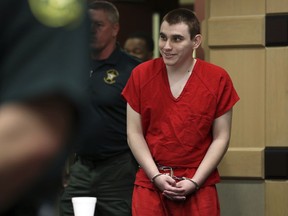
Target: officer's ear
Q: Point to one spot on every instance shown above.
(116, 28)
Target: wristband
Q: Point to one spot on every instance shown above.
(155, 176)
(195, 183)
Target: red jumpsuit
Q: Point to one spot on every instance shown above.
(178, 131)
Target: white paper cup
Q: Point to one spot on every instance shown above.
(84, 206)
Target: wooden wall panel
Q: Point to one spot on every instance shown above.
(277, 96)
(236, 7)
(237, 30)
(276, 6)
(276, 198)
(242, 198)
(246, 67)
(243, 162)
(236, 39)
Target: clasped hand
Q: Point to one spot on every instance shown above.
(174, 190)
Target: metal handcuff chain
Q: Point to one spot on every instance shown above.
(171, 174)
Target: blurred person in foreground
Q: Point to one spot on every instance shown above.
(105, 167)
(140, 45)
(179, 116)
(44, 51)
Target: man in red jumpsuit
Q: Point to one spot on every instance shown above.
(179, 116)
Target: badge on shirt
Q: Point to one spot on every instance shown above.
(111, 76)
(57, 13)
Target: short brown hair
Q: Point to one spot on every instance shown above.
(186, 16)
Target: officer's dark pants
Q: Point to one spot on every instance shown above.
(111, 181)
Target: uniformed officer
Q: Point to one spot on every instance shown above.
(105, 167)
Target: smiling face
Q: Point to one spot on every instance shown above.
(175, 44)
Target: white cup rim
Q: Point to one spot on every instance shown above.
(84, 199)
